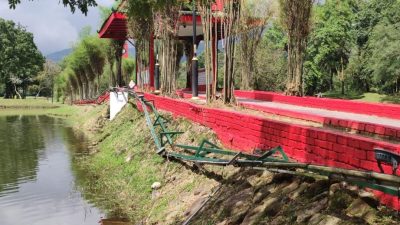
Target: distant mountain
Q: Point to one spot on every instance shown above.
(59, 56)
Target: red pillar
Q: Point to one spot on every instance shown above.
(151, 60)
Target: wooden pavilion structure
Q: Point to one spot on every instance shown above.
(115, 27)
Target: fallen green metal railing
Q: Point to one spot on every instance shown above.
(209, 153)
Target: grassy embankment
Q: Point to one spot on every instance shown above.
(123, 165)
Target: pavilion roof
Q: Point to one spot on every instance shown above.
(114, 27)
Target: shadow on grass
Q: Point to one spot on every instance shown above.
(348, 95)
(394, 99)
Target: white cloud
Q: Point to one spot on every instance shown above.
(54, 27)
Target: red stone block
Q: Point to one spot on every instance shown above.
(370, 128)
(303, 132)
(341, 140)
(255, 127)
(390, 132)
(334, 122)
(369, 165)
(322, 135)
(379, 130)
(366, 145)
(345, 158)
(360, 154)
(353, 143)
(339, 148)
(343, 123)
(321, 144)
(310, 141)
(310, 148)
(331, 138)
(354, 125)
(312, 133)
(333, 155)
(361, 126)
(355, 163)
(371, 156)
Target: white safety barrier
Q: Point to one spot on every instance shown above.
(117, 101)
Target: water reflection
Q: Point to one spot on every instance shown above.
(19, 153)
(37, 185)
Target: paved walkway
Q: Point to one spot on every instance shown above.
(323, 112)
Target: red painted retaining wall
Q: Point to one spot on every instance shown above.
(388, 132)
(384, 110)
(244, 132)
(384, 131)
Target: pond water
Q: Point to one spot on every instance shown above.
(38, 179)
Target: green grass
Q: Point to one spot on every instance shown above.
(347, 95)
(366, 97)
(126, 186)
(395, 99)
(28, 103)
(372, 97)
(39, 106)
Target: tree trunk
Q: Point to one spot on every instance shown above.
(188, 48)
(98, 85)
(342, 87)
(295, 69)
(16, 91)
(295, 16)
(120, 81)
(9, 93)
(230, 28)
(112, 75)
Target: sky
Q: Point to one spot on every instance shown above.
(54, 27)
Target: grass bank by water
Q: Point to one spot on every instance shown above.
(123, 165)
(41, 106)
(29, 103)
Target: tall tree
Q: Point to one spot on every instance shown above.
(253, 20)
(230, 32)
(46, 78)
(369, 14)
(329, 44)
(20, 59)
(295, 16)
(384, 43)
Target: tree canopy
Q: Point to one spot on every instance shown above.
(20, 59)
(82, 5)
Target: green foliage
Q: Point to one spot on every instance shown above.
(20, 59)
(82, 5)
(384, 43)
(329, 45)
(367, 16)
(128, 69)
(82, 69)
(271, 60)
(45, 79)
